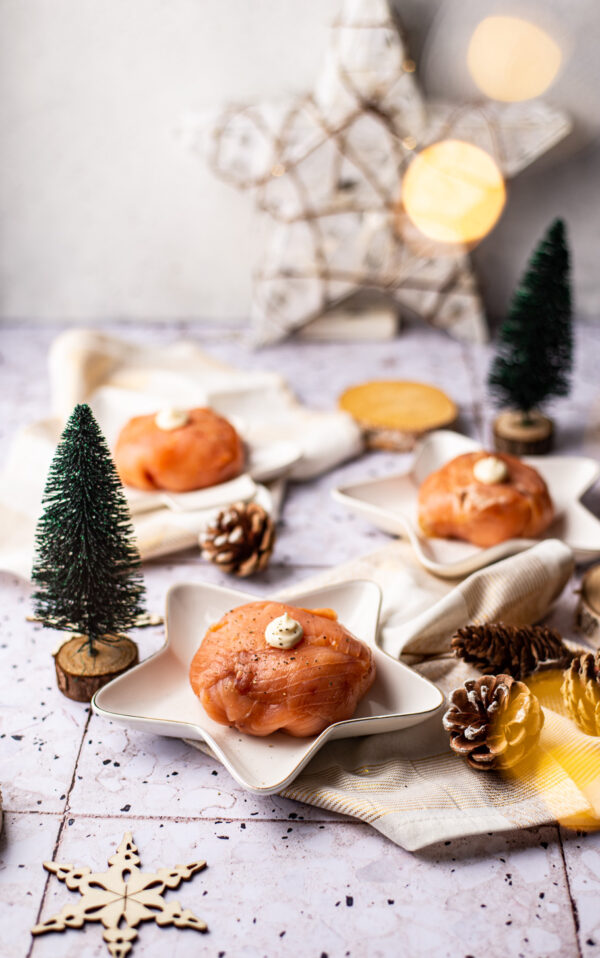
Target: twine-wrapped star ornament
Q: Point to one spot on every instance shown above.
(327, 170)
(121, 898)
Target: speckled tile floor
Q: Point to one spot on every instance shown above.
(282, 878)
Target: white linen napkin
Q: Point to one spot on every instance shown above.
(120, 380)
(408, 784)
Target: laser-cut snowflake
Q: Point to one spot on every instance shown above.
(122, 896)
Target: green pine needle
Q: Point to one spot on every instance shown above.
(87, 567)
(535, 349)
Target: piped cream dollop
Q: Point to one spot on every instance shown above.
(171, 418)
(490, 469)
(283, 632)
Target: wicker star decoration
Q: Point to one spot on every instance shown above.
(122, 896)
(327, 170)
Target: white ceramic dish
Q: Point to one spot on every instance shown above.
(264, 464)
(391, 505)
(156, 696)
(113, 407)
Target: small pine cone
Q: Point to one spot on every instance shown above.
(240, 540)
(493, 721)
(514, 650)
(581, 692)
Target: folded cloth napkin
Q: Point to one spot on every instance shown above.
(120, 380)
(408, 784)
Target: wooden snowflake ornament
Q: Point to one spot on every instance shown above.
(327, 170)
(121, 898)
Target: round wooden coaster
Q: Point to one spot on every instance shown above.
(394, 414)
(587, 614)
(80, 675)
(533, 438)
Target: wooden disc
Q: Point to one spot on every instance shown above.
(394, 414)
(587, 615)
(80, 675)
(533, 438)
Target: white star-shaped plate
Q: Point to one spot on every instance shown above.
(156, 695)
(265, 461)
(390, 504)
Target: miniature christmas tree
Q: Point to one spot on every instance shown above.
(87, 566)
(535, 353)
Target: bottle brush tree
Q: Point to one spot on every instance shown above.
(87, 567)
(534, 357)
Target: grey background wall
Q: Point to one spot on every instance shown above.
(106, 214)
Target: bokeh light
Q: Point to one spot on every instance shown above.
(453, 192)
(512, 59)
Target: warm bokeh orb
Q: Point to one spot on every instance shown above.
(453, 192)
(512, 59)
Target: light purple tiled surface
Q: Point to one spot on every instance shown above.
(283, 878)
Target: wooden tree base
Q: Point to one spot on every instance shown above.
(396, 414)
(514, 436)
(80, 675)
(394, 440)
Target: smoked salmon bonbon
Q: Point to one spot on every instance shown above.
(244, 682)
(455, 504)
(203, 450)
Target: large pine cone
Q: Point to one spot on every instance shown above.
(513, 650)
(493, 721)
(581, 692)
(240, 540)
